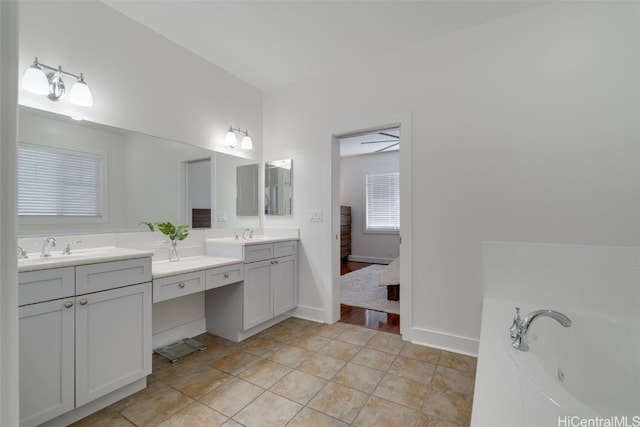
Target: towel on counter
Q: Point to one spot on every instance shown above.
(391, 274)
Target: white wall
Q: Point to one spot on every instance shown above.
(524, 128)
(140, 81)
(368, 247)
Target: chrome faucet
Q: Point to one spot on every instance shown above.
(49, 243)
(67, 248)
(22, 254)
(250, 233)
(520, 328)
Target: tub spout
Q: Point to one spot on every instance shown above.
(519, 335)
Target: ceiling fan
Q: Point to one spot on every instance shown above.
(395, 140)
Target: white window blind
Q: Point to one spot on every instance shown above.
(57, 182)
(382, 202)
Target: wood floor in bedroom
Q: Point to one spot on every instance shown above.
(378, 320)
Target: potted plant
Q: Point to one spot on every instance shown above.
(172, 232)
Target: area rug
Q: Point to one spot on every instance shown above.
(360, 289)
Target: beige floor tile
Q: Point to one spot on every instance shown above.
(107, 417)
(179, 369)
(453, 380)
(339, 401)
(262, 347)
(374, 359)
(310, 342)
(282, 333)
(153, 386)
(428, 421)
(390, 343)
(322, 366)
(358, 377)
(330, 331)
(213, 352)
(236, 362)
(451, 406)
(412, 368)
(197, 384)
(457, 361)
(340, 350)
(290, 356)
(401, 390)
(195, 415)
(380, 412)
(301, 324)
(308, 417)
(156, 407)
(231, 396)
(298, 386)
(232, 423)
(264, 373)
(358, 336)
(421, 353)
(268, 410)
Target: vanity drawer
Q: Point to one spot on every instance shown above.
(226, 275)
(178, 286)
(254, 253)
(114, 274)
(45, 285)
(281, 249)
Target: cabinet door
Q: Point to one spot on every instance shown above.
(113, 340)
(258, 305)
(283, 280)
(46, 360)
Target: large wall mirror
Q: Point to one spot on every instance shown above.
(139, 178)
(278, 194)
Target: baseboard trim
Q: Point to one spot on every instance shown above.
(374, 260)
(444, 341)
(175, 334)
(306, 312)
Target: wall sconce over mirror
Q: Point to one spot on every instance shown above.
(232, 141)
(35, 80)
(278, 192)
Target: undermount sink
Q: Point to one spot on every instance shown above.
(78, 257)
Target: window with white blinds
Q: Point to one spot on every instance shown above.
(59, 183)
(382, 202)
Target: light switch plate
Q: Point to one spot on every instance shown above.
(315, 215)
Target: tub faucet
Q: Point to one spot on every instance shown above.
(49, 242)
(520, 329)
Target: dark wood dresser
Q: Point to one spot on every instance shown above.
(345, 232)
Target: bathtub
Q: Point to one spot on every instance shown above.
(590, 371)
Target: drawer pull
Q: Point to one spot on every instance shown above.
(181, 285)
(68, 304)
(83, 301)
(226, 275)
(275, 261)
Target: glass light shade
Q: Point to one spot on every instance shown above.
(246, 143)
(35, 81)
(81, 95)
(231, 140)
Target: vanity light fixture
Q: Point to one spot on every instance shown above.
(231, 140)
(35, 80)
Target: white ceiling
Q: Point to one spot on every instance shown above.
(382, 141)
(272, 43)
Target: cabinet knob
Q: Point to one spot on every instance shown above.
(181, 285)
(68, 304)
(275, 261)
(83, 301)
(226, 275)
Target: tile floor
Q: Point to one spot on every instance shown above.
(301, 373)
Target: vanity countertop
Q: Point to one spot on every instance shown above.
(79, 257)
(187, 265)
(256, 240)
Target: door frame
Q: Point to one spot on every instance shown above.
(402, 121)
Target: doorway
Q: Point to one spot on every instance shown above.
(198, 194)
(385, 138)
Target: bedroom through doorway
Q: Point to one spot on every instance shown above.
(369, 229)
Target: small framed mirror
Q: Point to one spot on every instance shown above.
(278, 193)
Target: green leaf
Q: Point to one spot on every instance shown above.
(148, 224)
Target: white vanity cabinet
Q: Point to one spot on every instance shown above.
(76, 348)
(269, 288)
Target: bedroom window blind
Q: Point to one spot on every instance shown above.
(382, 204)
(59, 183)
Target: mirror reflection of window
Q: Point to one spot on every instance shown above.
(278, 195)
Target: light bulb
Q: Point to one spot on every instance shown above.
(35, 80)
(80, 93)
(246, 143)
(231, 140)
